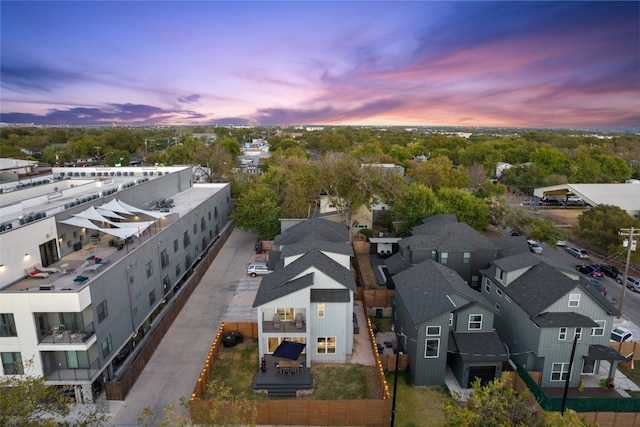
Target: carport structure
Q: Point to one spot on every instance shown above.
(625, 196)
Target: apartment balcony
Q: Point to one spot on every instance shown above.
(60, 335)
(63, 372)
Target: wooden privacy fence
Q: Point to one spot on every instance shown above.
(357, 412)
(118, 389)
(377, 298)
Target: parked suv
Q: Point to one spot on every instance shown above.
(534, 246)
(257, 269)
(633, 283)
(620, 334)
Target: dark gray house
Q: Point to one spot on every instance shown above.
(441, 321)
(541, 309)
(455, 244)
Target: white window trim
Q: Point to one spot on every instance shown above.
(562, 371)
(433, 335)
(575, 299)
(499, 292)
(322, 310)
(588, 373)
(487, 286)
(450, 319)
(601, 328)
(475, 321)
(577, 332)
(562, 334)
(426, 347)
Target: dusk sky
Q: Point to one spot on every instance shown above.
(419, 63)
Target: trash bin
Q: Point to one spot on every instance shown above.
(257, 248)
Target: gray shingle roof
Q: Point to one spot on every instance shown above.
(395, 264)
(330, 295)
(510, 245)
(307, 244)
(434, 223)
(478, 346)
(283, 280)
(563, 319)
(424, 290)
(314, 229)
(447, 236)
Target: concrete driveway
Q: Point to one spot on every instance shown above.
(224, 293)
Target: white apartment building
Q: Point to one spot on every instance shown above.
(89, 258)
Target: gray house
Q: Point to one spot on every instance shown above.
(443, 239)
(541, 309)
(441, 321)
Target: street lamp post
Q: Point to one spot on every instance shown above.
(630, 243)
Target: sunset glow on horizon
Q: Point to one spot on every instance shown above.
(418, 63)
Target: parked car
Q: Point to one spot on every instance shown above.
(574, 201)
(620, 334)
(577, 252)
(257, 268)
(562, 243)
(633, 283)
(589, 270)
(534, 246)
(550, 201)
(599, 286)
(609, 270)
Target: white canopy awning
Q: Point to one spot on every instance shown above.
(92, 214)
(153, 214)
(108, 213)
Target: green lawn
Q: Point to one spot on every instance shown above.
(632, 375)
(235, 367)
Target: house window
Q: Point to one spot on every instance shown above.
(107, 346)
(599, 330)
(499, 292)
(203, 224)
(431, 348)
(209, 215)
(466, 257)
(434, 255)
(433, 331)
(286, 314)
(588, 367)
(562, 335)
(185, 239)
(195, 229)
(178, 270)
(187, 261)
(500, 274)
(102, 310)
(166, 284)
(474, 282)
(475, 322)
(506, 297)
(7, 325)
(559, 371)
(497, 307)
(326, 345)
(321, 310)
(164, 258)
(487, 286)
(175, 246)
(152, 297)
(577, 335)
(574, 300)
(149, 268)
(12, 363)
(450, 319)
(444, 257)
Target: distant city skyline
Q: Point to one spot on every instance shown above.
(544, 64)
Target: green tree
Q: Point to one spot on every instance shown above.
(601, 224)
(115, 157)
(614, 169)
(550, 161)
(25, 400)
(223, 408)
(259, 209)
(413, 203)
(438, 172)
(499, 405)
(469, 209)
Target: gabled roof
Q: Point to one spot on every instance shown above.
(425, 289)
(285, 280)
(478, 346)
(510, 245)
(314, 229)
(542, 285)
(434, 223)
(395, 264)
(517, 261)
(447, 236)
(306, 245)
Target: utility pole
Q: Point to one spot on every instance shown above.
(630, 243)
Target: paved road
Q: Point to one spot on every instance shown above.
(175, 366)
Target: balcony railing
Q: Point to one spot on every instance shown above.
(75, 374)
(72, 336)
(287, 327)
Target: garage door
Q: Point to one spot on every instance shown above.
(485, 373)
